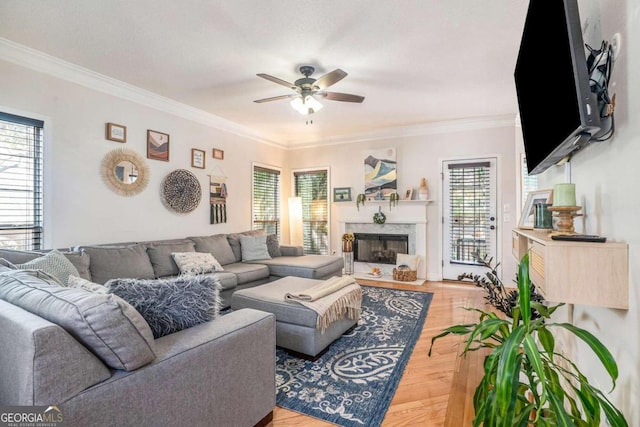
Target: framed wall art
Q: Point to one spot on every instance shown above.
(197, 158)
(218, 154)
(116, 132)
(342, 194)
(157, 145)
(534, 197)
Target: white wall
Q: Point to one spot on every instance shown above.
(422, 156)
(79, 207)
(606, 176)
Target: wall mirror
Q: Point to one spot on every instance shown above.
(125, 172)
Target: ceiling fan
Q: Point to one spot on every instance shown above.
(307, 89)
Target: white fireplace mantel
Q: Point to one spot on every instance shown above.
(413, 214)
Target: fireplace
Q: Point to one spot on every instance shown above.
(379, 248)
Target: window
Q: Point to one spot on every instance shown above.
(266, 199)
(529, 182)
(20, 182)
(312, 188)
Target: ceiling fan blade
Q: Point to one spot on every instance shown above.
(277, 80)
(274, 98)
(330, 78)
(344, 97)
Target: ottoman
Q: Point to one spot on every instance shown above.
(295, 323)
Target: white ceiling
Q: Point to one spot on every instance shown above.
(415, 61)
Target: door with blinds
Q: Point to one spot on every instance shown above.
(469, 215)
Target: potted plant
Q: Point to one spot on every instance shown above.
(526, 383)
(360, 199)
(393, 200)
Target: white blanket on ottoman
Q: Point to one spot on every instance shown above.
(331, 299)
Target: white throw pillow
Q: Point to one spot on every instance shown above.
(410, 261)
(196, 262)
(87, 285)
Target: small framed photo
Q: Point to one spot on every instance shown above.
(534, 197)
(197, 158)
(157, 145)
(218, 154)
(342, 194)
(408, 194)
(116, 132)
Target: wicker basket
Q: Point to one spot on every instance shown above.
(405, 275)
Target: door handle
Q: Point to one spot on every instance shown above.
(493, 218)
(493, 227)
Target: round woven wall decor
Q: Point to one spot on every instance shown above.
(181, 191)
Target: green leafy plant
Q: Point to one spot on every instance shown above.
(498, 295)
(360, 199)
(529, 384)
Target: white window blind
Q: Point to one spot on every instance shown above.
(266, 200)
(312, 188)
(529, 182)
(20, 182)
(470, 211)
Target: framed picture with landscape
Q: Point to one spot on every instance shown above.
(157, 145)
(342, 194)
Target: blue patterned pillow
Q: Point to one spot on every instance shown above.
(170, 305)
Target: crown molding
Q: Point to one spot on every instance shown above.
(44, 63)
(431, 128)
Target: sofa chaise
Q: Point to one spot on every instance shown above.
(219, 372)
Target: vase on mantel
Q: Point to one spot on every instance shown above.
(423, 191)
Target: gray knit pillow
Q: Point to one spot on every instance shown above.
(53, 263)
(170, 305)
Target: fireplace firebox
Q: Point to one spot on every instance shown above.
(379, 248)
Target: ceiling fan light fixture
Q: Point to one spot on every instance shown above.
(306, 105)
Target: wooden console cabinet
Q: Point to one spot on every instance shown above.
(576, 272)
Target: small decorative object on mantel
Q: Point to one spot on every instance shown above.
(347, 252)
(181, 191)
(360, 199)
(423, 191)
(379, 217)
(393, 200)
(116, 132)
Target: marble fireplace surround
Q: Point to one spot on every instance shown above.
(416, 230)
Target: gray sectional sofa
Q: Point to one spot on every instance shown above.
(216, 373)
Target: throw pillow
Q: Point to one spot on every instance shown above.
(161, 259)
(108, 326)
(410, 261)
(196, 262)
(170, 305)
(112, 262)
(254, 248)
(80, 261)
(53, 263)
(273, 246)
(79, 282)
(217, 245)
(234, 241)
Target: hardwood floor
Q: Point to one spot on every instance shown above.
(429, 393)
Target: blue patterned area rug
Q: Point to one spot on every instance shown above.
(352, 383)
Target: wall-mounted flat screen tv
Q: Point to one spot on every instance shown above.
(558, 112)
